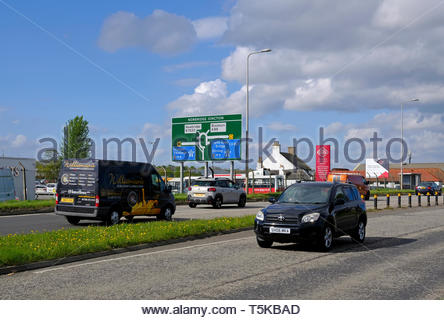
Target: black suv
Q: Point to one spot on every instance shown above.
(314, 211)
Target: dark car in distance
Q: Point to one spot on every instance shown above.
(428, 187)
(312, 211)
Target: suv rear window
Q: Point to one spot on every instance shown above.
(204, 183)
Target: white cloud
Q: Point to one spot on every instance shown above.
(423, 133)
(212, 97)
(399, 13)
(154, 131)
(211, 27)
(18, 141)
(348, 52)
(312, 94)
(280, 126)
(161, 32)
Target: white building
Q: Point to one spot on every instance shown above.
(285, 166)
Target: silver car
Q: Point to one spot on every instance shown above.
(215, 191)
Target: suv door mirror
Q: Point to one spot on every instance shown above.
(339, 202)
(272, 199)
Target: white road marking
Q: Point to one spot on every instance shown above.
(28, 215)
(142, 255)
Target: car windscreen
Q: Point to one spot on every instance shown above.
(204, 183)
(78, 178)
(306, 194)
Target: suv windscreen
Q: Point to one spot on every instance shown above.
(306, 194)
(204, 183)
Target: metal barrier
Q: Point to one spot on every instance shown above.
(436, 198)
(375, 201)
(388, 201)
(410, 200)
(419, 199)
(399, 200)
(428, 199)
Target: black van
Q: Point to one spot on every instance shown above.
(107, 190)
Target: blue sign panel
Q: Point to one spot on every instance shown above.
(225, 149)
(184, 153)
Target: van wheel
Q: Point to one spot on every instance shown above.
(113, 217)
(217, 203)
(192, 204)
(129, 218)
(73, 220)
(242, 201)
(166, 214)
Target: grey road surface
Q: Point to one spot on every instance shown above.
(50, 221)
(403, 258)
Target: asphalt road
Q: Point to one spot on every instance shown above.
(49, 221)
(403, 258)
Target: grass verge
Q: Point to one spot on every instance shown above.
(17, 249)
(14, 205)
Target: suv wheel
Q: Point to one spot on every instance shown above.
(129, 218)
(73, 220)
(359, 232)
(264, 243)
(242, 201)
(166, 214)
(325, 240)
(113, 217)
(192, 204)
(217, 203)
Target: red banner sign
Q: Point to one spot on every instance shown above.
(322, 162)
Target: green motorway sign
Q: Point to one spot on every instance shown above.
(207, 138)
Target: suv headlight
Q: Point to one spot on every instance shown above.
(260, 216)
(311, 217)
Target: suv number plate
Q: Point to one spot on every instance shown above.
(279, 230)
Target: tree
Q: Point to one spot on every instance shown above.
(76, 143)
(49, 167)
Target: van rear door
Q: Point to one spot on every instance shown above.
(77, 185)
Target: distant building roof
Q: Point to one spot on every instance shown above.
(298, 163)
(439, 165)
(427, 174)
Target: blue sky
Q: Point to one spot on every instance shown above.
(129, 67)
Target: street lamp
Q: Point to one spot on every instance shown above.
(165, 174)
(246, 117)
(402, 138)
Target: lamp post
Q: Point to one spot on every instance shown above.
(402, 139)
(165, 174)
(246, 116)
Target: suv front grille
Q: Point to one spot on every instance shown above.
(286, 220)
